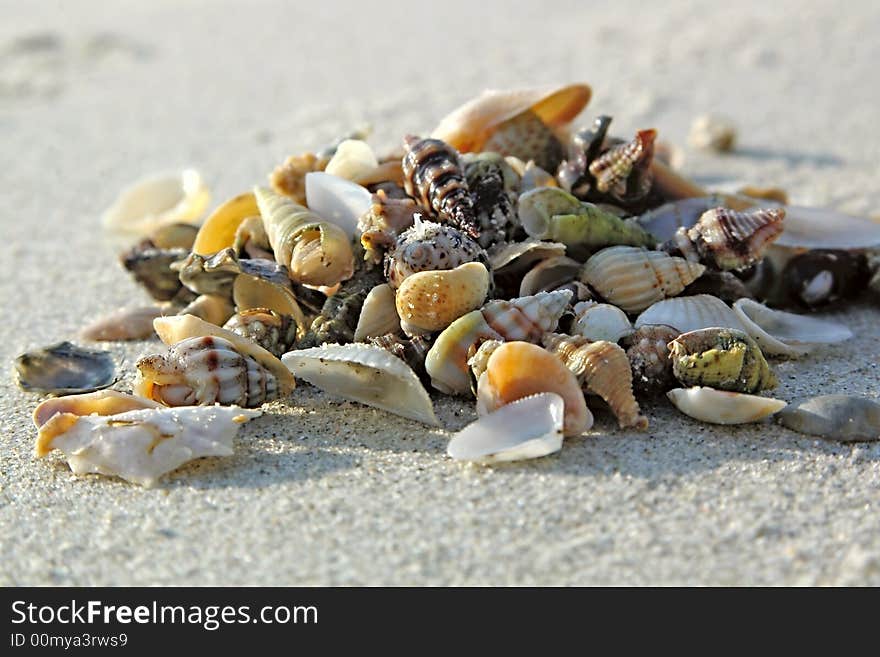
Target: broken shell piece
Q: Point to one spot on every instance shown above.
(142, 445)
(691, 313)
(151, 268)
(367, 374)
(288, 178)
(430, 301)
(712, 133)
(839, 417)
(124, 324)
(165, 198)
(787, 334)
(378, 314)
(100, 402)
(528, 428)
(65, 369)
(338, 200)
(215, 274)
(513, 257)
(600, 321)
(218, 230)
(722, 358)
(722, 407)
(353, 159)
(174, 236)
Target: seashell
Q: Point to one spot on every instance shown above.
(691, 313)
(337, 199)
(600, 321)
(625, 171)
(353, 159)
(378, 314)
(634, 278)
(289, 177)
(712, 133)
(212, 308)
(721, 284)
(510, 375)
(123, 324)
(174, 236)
(219, 229)
(584, 148)
(516, 257)
(724, 239)
(273, 332)
(470, 126)
(480, 360)
(721, 358)
(823, 228)
(492, 183)
(431, 300)
(549, 275)
(534, 177)
(527, 428)
(723, 407)
(433, 176)
(429, 246)
(151, 268)
(367, 374)
(411, 351)
(100, 402)
(602, 368)
(316, 252)
(250, 292)
(528, 138)
(649, 361)
(142, 445)
(383, 222)
(65, 369)
(839, 417)
(216, 274)
(663, 222)
(787, 334)
(160, 199)
(823, 276)
(251, 239)
(522, 319)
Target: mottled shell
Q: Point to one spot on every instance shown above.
(341, 311)
(510, 375)
(625, 171)
(649, 361)
(65, 369)
(492, 183)
(213, 308)
(151, 268)
(524, 319)
(273, 332)
(722, 358)
(690, 313)
(123, 324)
(378, 314)
(600, 321)
(633, 278)
(216, 274)
(723, 407)
(838, 417)
(602, 368)
(431, 300)
(315, 251)
(218, 230)
(101, 402)
(527, 137)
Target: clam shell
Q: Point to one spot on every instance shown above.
(600, 321)
(100, 402)
(691, 313)
(337, 199)
(65, 369)
(160, 199)
(151, 268)
(787, 334)
(123, 324)
(174, 236)
(633, 278)
(548, 275)
(528, 428)
(823, 228)
(839, 417)
(353, 159)
(367, 374)
(142, 445)
(378, 314)
(218, 230)
(431, 300)
(722, 407)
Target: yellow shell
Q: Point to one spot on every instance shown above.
(431, 300)
(218, 231)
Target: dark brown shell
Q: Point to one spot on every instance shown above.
(151, 267)
(624, 172)
(648, 356)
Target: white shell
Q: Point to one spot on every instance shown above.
(337, 199)
(823, 228)
(528, 428)
(722, 407)
(140, 446)
(548, 275)
(160, 199)
(787, 334)
(378, 314)
(367, 374)
(690, 313)
(600, 321)
(518, 256)
(353, 159)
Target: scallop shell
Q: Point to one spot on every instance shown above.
(649, 361)
(337, 199)
(123, 324)
(218, 230)
(602, 368)
(378, 314)
(723, 407)
(65, 369)
(142, 445)
(101, 402)
(366, 374)
(510, 375)
(431, 300)
(722, 358)
(690, 313)
(600, 321)
(165, 198)
(315, 251)
(353, 159)
(549, 275)
(634, 278)
(839, 417)
(528, 428)
(212, 308)
(787, 334)
(524, 319)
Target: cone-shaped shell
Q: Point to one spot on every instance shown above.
(510, 375)
(690, 313)
(726, 359)
(633, 278)
(431, 300)
(218, 230)
(625, 170)
(101, 402)
(723, 407)
(471, 125)
(315, 251)
(378, 314)
(648, 356)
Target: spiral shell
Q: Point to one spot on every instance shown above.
(431, 300)
(724, 239)
(492, 183)
(633, 278)
(289, 177)
(411, 351)
(585, 146)
(602, 368)
(341, 312)
(386, 219)
(273, 332)
(648, 355)
(726, 359)
(625, 171)
(250, 292)
(433, 176)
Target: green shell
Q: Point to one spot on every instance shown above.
(725, 359)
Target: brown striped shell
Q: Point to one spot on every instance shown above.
(624, 171)
(273, 332)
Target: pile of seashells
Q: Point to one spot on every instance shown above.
(504, 257)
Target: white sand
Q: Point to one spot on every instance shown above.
(93, 95)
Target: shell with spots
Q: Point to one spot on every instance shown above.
(431, 300)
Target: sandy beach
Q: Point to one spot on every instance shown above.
(94, 95)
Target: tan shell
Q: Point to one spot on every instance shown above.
(124, 324)
(431, 300)
(218, 230)
(378, 314)
(253, 292)
(101, 402)
(212, 308)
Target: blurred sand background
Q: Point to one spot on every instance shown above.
(94, 95)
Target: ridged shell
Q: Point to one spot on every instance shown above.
(273, 332)
(218, 230)
(602, 368)
(212, 308)
(524, 318)
(528, 428)
(839, 417)
(549, 275)
(341, 311)
(411, 351)
(664, 221)
(352, 160)
(315, 251)
(366, 374)
(600, 321)
(633, 278)
(510, 375)
(431, 300)
(101, 402)
(527, 137)
(378, 314)
(722, 358)
(123, 324)
(690, 313)
(585, 146)
(625, 171)
(65, 369)
(723, 407)
(649, 361)
(338, 200)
